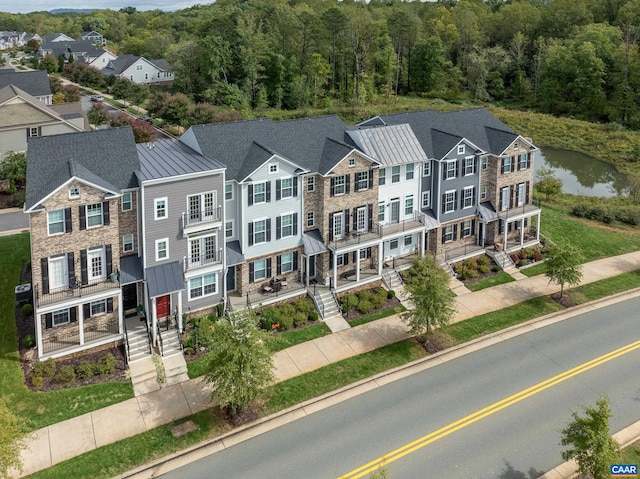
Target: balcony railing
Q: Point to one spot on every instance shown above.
(519, 211)
(202, 260)
(64, 338)
(416, 221)
(76, 290)
(196, 218)
(356, 238)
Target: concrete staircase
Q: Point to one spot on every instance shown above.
(503, 260)
(327, 304)
(175, 366)
(449, 269)
(137, 339)
(392, 278)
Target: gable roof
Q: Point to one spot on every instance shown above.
(35, 82)
(161, 64)
(390, 145)
(74, 47)
(56, 37)
(106, 158)
(120, 64)
(21, 109)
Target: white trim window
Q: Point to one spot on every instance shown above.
(426, 169)
(340, 259)
(55, 222)
(507, 164)
(505, 193)
(259, 231)
(426, 199)
(461, 149)
(523, 160)
(203, 250)
(58, 273)
(450, 169)
(408, 205)
(468, 196)
(352, 162)
(273, 168)
(202, 207)
(259, 269)
(408, 240)
(286, 188)
(361, 219)
(382, 176)
(160, 209)
(466, 228)
(450, 201)
(395, 174)
(96, 264)
(448, 234)
(393, 244)
(60, 316)
(339, 185)
(311, 184)
(469, 166)
(127, 243)
(286, 262)
(338, 225)
(311, 219)
(381, 211)
(408, 171)
(162, 249)
(98, 307)
(74, 192)
(127, 201)
(94, 215)
(483, 193)
(286, 225)
(485, 162)
(259, 193)
(202, 286)
(228, 192)
(362, 180)
(522, 193)
(228, 229)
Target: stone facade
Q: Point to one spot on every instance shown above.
(128, 223)
(243, 284)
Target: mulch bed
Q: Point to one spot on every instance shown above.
(354, 314)
(565, 301)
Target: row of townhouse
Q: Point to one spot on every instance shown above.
(259, 211)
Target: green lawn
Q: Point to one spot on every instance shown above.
(379, 315)
(600, 289)
(490, 281)
(38, 409)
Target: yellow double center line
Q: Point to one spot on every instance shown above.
(487, 411)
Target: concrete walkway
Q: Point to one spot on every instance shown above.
(56, 443)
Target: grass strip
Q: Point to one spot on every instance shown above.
(500, 278)
(534, 270)
(379, 315)
(606, 287)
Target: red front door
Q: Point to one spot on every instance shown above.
(163, 305)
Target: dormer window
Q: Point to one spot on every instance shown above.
(273, 168)
(461, 149)
(74, 192)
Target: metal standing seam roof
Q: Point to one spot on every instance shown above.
(430, 220)
(487, 212)
(234, 253)
(390, 145)
(313, 244)
(131, 269)
(164, 279)
(170, 158)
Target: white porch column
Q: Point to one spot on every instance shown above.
(380, 258)
(81, 323)
(335, 270)
(39, 333)
(121, 314)
(357, 266)
(306, 271)
(504, 236)
(521, 231)
(422, 235)
(154, 322)
(538, 229)
(180, 311)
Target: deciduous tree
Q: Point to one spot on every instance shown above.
(12, 433)
(564, 265)
(547, 183)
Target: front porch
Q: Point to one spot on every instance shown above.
(401, 263)
(67, 341)
(349, 280)
(257, 297)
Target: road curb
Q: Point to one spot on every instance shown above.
(248, 431)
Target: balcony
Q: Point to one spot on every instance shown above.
(412, 224)
(203, 260)
(200, 220)
(356, 238)
(75, 291)
(518, 212)
(67, 339)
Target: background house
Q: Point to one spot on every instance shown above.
(140, 70)
(34, 82)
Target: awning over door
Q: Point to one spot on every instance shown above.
(164, 279)
(234, 253)
(130, 269)
(313, 244)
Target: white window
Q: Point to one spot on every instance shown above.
(259, 231)
(74, 192)
(139, 67)
(505, 193)
(55, 221)
(408, 205)
(273, 168)
(338, 225)
(507, 165)
(259, 269)
(408, 240)
(352, 162)
(483, 193)
(461, 149)
(523, 161)
(311, 219)
(448, 234)
(58, 274)
(361, 219)
(203, 250)
(204, 285)
(340, 260)
(259, 193)
(228, 229)
(286, 188)
(32, 132)
(202, 207)
(393, 244)
(395, 174)
(286, 225)
(286, 262)
(362, 180)
(162, 249)
(485, 162)
(228, 192)
(96, 264)
(382, 176)
(339, 185)
(426, 169)
(126, 202)
(522, 193)
(409, 171)
(127, 243)
(450, 170)
(515, 145)
(466, 228)
(381, 212)
(160, 208)
(468, 166)
(363, 253)
(311, 183)
(467, 199)
(98, 307)
(449, 201)
(426, 199)
(61, 316)
(94, 215)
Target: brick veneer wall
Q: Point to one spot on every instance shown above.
(128, 222)
(242, 272)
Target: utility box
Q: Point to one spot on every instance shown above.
(23, 293)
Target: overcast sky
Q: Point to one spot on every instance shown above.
(26, 6)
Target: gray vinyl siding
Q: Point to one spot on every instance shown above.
(458, 184)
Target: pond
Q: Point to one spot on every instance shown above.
(582, 174)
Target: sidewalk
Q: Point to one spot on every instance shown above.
(58, 442)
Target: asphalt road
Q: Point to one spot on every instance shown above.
(517, 442)
(14, 221)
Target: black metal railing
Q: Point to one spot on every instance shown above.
(409, 223)
(101, 329)
(160, 339)
(62, 338)
(149, 342)
(199, 261)
(194, 218)
(318, 301)
(76, 290)
(356, 237)
(127, 354)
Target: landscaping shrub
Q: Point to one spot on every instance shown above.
(350, 301)
(268, 317)
(304, 306)
(28, 341)
(391, 294)
(313, 316)
(515, 257)
(378, 298)
(472, 273)
(46, 369)
(36, 380)
(483, 261)
(522, 262)
(189, 351)
(495, 268)
(285, 322)
(106, 364)
(27, 309)
(484, 268)
(365, 296)
(365, 306)
(300, 318)
(85, 370)
(537, 256)
(220, 309)
(65, 375)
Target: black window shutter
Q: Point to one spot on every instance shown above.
(354, 218)
(250, 195)
(443, 234)
(462, 200)
(354, 256)
(86, 310)
(279, 265)
(109, 305)
(444, 170)
(44, 269)
(251, 273)
(455, 198)
(278, 227)
(370, 179)
(330, 226)
(346, 259)
(369, 252)
(250, 229)
(455, 232)
(82, 210)
(473, 196)
(268, 190)
(458, 168)
(333, 187)
(512, 195)
(444, 202)
(268, 267)
(529, 160)
(295, 186)
(370, 216)
(473, 227)
(526, 189)
(48, 320)
(70, 269)
(73, 314)
(502, 166)
(346, 221)
(84, 277)
(356, 186)
(347, 179)
(268, 229)
(105, 212)
(67, 221)
(295, 224)
(278, 189)
(295, 260)
(109, 259)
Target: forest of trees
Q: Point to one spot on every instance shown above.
(566, 57)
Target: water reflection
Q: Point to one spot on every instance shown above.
(582, 174)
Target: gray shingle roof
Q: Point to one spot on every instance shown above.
(108, 157)
(120, 64)
(390, 145)
(166, 158)
(35, 83)
(234, 253)
(442, 142)
(161, 64)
